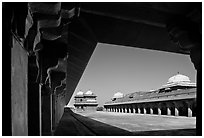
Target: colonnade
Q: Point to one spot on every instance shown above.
(170, 108)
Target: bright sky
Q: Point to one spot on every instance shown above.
(115, 68)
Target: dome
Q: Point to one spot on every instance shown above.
(178, 78)
(80, 93)
(89, 92)
(118, 95)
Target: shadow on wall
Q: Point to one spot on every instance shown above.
(73, 124)
(174, 132)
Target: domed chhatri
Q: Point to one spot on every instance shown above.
(178, 78)
(89, 92)
(118, 95)
(80, 93)
(85, 101)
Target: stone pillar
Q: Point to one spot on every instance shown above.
(151, 110)
(125, 109)
(145, 111)
(191, 41)
(34, 95)
(176, 111)
(168, 111)
(129, 108)
(176, 108)
(190, 113)
(139, 111)
(134, 109)
(159, 111)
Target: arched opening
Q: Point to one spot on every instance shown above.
(141, 109)
(163, 109)
(147, 109)
(172, 109)
(155, 110)
(183, 109)
(131, 108)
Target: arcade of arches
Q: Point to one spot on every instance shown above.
(176, 98)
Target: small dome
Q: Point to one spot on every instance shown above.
(80, 93)
(118, 95)
(178, 78)
(89, 92)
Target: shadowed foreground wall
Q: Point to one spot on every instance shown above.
(59, 103)
(19, 64)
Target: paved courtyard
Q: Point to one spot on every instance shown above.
(140, 122)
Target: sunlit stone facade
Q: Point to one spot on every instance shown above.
(176, 98)
(85, 101)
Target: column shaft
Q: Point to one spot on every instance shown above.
(145, 111)
(189, 112)
(139, 111)
(168, 111)
(159, 111)
(176, 111)
(151, 111)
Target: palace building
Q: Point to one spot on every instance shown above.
(85, 101)
(176, 98)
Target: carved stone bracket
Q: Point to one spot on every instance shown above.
(186, 34)
(49, 57)
(57, 75)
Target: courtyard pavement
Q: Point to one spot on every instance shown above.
(144, 123)
(124, 124)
